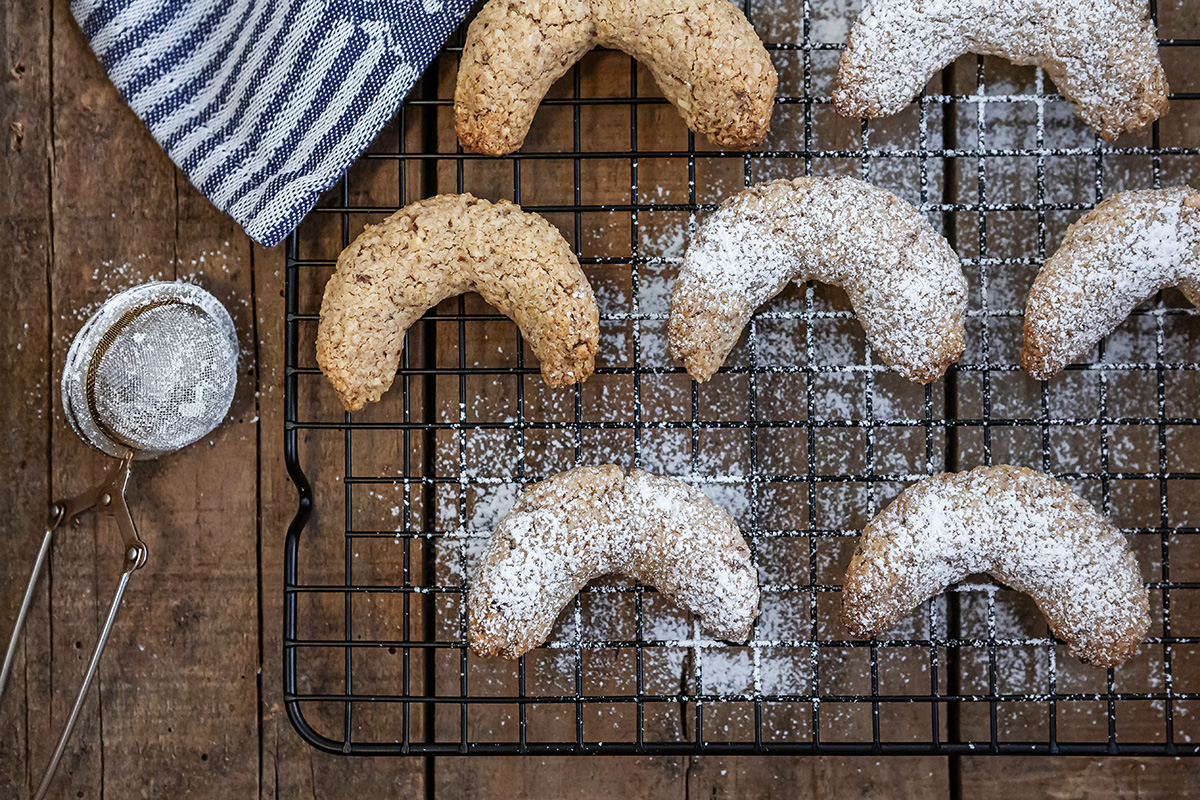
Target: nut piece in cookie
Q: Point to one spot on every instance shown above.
(1024, 528)
(1101, 54)
(704, 55)
(593, 521)
(1117, 255)
(437, 248)
(903, 279)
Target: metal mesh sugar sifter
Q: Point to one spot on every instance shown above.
(153, 370)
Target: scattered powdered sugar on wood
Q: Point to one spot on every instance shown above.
(675, 658)
(719, 468)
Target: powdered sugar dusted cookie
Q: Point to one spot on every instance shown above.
(703, 54)
(1026, 529)
(593, 521)
(1118, 254)
(903, 279)
(437, 248)
(1101, 54)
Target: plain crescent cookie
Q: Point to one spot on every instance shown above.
(437, 248)
(1101, 54)
(1024, 528)
(1118, 254)
(593, 521)
(903, 278)
(703, 54)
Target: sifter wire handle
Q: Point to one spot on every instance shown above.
(11, 653)
(87, 682)
(108, 498)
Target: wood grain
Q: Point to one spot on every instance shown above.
(994, 339)
(175, 645)
(102, 156)
(188, 702)
(290, 767)
(25, 226)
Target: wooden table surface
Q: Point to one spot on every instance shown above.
(188, 699)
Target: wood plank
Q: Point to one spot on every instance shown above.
(871, 450)
(194, 607)
(563, 777)
(1109, 778)
(291, 767)
(92, 129)
(25, 225)
(771, 777)
(183, 653)
(659, 235)
(496, 343)
(1133, 447)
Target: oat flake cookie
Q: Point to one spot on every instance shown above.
(703, 54)
(1117, 255)
(1024, 528)
(903, 278)
(593, 521)
(437, 248)
(1101, 54)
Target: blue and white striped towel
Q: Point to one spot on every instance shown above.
(264, 104)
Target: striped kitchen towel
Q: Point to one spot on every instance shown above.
(264, 104)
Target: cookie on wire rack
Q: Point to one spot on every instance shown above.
(1101, 54)
(703, 54)
(1024, 528)
(593, 521)
(1117, 255)
(903, 279)
(440, 247)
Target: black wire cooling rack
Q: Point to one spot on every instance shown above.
(802, 437)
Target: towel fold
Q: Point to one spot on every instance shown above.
(264, 104)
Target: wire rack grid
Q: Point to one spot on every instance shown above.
(802, 436)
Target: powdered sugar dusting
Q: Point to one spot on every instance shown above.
(1129, 247)
(592, 521)
(1024, 528)
(903, 279)
(1102, 54)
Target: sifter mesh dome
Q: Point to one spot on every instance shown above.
(152, 371)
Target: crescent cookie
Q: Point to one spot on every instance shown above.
(1101, 54)
(903, 279)
(437, 248)
(1024, 528)
(593, 521)
(704, 55)
(1118, 254)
